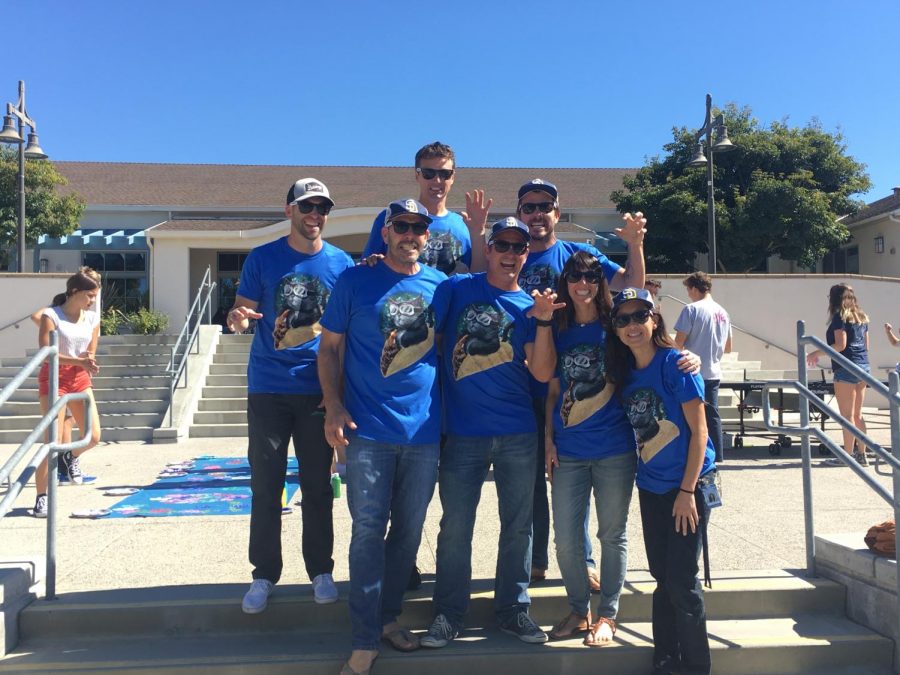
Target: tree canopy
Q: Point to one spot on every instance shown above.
(780, 192)
(46, 211)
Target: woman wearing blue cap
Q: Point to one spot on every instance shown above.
(675, 474)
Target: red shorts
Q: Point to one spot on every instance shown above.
(72, 379)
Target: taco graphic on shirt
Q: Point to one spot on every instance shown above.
(647, 415)
(483, 340)
(584, 374)
(407, 323)
(300, 301)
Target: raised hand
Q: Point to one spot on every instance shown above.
(239, 318)
(634, 229)
(544, 304)
(476, 213)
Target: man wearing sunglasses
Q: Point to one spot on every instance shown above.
(378, 369)
(487, 344)
(285, 286)
(538, 208)
(449, 245)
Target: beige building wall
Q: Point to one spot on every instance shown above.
(886, 263)
(22, 294)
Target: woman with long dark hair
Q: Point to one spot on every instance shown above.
(78, 330)
(847, 333)
(589, 447)
(675, 464)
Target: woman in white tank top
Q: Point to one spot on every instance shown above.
(78, 329)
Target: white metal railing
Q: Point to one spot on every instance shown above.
(52, 449)
(188, 337)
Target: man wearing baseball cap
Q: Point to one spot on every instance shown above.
(487, 346)
(285, 286)
(449, 245)
(378, 369)
(539, 208)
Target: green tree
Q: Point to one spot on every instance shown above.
(46, 211)
(780, 192)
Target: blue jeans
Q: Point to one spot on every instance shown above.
(465, 461)
(612, 479)
(713, 420)
(384, 482)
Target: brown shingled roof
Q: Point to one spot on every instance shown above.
(876, 208)
(240, 186)
(212, 224)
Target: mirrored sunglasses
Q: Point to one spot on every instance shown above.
(429, 174)
(543, 207)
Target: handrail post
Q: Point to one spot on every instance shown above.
(52, 468)
(806, 456)
(894, 407)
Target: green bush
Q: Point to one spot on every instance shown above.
(111, 321)
(148, 321)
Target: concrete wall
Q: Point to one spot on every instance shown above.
(22, 294)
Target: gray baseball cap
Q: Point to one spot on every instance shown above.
(307, 188)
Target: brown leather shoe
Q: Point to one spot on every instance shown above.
(571, 626)
(538, 573)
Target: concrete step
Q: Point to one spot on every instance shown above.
(234, 348)
(108, 434)
(138, 339)
(226, 417)
(217, 430)
(222, 404)
(14, 409)
(757, 625)
(226, 380)
(246, 339)
(225, 392)
(29, 422)
(106, 370)
(106, 360)
(228, 369)
(107, 382)
(117, 394)
(231, 358)
(138, 350)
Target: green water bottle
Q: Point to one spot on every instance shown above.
(336, 485)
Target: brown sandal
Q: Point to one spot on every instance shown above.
(593, 580)
(401, 639)
(590, 639)
(571, 625)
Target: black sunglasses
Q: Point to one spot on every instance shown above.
(402, 228)
(574, 276)
(307, 207)
(543, 207)
(640, 316)
(429, 174)
(518, 247)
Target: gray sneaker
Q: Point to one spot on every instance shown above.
(524, 628)
(256, 599)
(440, 632)
(324, 590)
(40, 506)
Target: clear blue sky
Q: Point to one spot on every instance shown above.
(524, 83)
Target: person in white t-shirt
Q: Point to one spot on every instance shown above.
(704, 327)
(79, 330)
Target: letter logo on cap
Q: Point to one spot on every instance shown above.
(510, 222)
(411, 206)
(537, 181)
(629, 294)
(313, 187)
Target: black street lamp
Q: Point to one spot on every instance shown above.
(31, 151)
(722, 144)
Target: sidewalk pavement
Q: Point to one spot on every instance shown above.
(759, 527)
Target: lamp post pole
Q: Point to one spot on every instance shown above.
(32, 151)
(699, 159)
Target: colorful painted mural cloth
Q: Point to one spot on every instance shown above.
(204, 486)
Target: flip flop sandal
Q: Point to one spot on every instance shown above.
(120, 492)
(592, 634)
(347, 670)
(571, 626)
(90, 513)
(402, 640)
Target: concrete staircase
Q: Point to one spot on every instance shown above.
(761, 622)
(132, 389)
(222, 409)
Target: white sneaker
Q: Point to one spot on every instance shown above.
(257, 598)
(324, 590)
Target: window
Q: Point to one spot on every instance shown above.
(228, 275)
(879, 244)
(124, 282)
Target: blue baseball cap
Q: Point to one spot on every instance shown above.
(406, 207)
(539, 185)
(627, 294)
(509, 223)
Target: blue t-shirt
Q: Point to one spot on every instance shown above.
(484, 374)
(542, 269)
(652, 399)
(589, 421)
(856, 341)
(448, 243)
(291, 290)
(389, 321)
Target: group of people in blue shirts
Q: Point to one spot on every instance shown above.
(535, 358)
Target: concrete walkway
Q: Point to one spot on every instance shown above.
(760, 526)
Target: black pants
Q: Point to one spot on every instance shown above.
(272, 421)
(713, 420)
(679, 614)
(541, 508)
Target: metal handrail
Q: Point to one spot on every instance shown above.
(891, 393)
(189, 336)
(51, 450)
(15, 323)
(740, 330)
